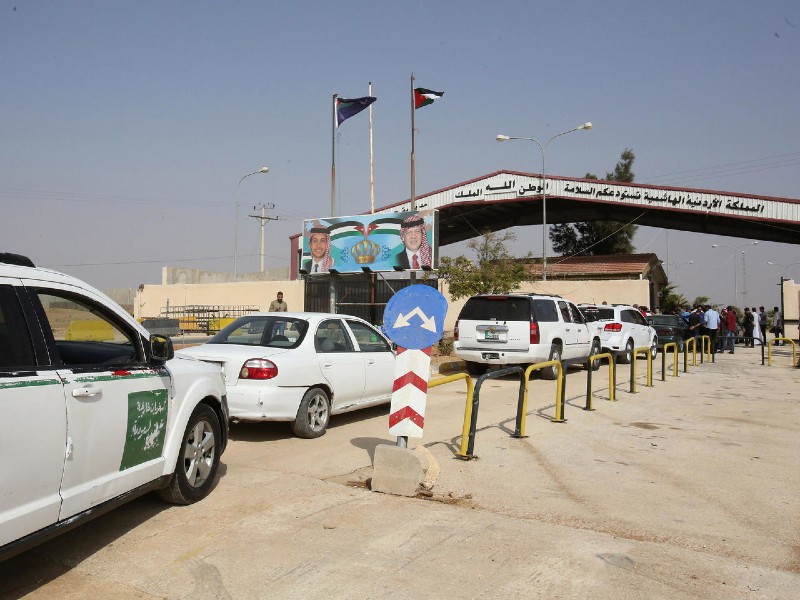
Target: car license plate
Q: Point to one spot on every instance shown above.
(490, 356)
(491, 335)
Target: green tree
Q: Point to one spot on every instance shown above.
(494, 271)
(701, 300)
(669, 298)
(587, 238)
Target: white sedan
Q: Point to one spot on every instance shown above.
(300, 367)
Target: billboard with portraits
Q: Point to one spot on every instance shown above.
(385, 242)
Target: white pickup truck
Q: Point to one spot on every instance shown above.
(96, 411)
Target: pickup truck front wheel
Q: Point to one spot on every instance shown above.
(198, 459)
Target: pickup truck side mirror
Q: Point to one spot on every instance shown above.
(161, 349)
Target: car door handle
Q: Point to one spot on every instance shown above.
(86, 391)
(327, 365)
(371, 361)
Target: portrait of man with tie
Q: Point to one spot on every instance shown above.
(319, 244)
(416, 253)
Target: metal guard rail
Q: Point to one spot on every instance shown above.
(674, 346)
(612, 370)
(636, 352)
(781, 339)
(467, 410)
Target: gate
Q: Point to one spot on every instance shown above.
(362, 295)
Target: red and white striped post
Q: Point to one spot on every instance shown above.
(410, 392)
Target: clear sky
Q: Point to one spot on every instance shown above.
(125, 127)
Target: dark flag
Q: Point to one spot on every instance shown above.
(347, 107)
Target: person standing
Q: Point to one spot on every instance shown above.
(711, 323)
(730, 330)
(762, 324)
(756, 327)
(777, 324)
(748, 323)
(695, 321)
(278, 305)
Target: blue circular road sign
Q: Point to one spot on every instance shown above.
(414, 317)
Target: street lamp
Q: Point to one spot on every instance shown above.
(678, 266)
(786, 267)
(733, 254)
(783, 278)
(236, 219)
(505, 138)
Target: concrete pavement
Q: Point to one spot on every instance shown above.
(688, 489)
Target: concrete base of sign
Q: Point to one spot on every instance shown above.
(397, 471)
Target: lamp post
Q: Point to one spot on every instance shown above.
(236, 219)
(784, 278)
(733, 250)
(542, 147)
(678, 266)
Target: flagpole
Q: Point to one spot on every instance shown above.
(413, 155)
(333, 156)
(371, 159)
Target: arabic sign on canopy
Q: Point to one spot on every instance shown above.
(386, 242)
(512, 186)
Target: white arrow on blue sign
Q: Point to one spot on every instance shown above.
(414, 317)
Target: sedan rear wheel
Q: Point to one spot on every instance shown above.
(313, 414)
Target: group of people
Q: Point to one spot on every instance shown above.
(705, 320)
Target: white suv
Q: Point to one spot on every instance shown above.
(501, 329)
(622, 328)
(96, 411)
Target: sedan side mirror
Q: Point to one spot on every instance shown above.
(161, 349)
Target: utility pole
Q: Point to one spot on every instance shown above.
(744, 280)
(263, 219)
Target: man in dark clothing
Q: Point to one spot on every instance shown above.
(695, 322)
(748, 321)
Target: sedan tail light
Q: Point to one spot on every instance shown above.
(534, 332)
(258, 368)
(613, 327)
(455, 332)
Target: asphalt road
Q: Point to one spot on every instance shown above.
(688, 489)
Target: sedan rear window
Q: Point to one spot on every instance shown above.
(270, 332)
(669, 320)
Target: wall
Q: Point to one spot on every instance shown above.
(791, 307)
(150, 299)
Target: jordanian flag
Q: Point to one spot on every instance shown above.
(423, 97)
(347, 107)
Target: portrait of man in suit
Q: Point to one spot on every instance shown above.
(319, 244)
(416, 252)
